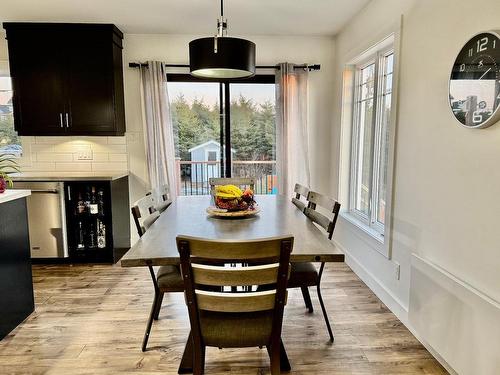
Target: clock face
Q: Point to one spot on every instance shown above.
(475, 82)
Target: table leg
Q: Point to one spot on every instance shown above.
(186, 365)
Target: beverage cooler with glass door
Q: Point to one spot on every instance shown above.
(97, 221)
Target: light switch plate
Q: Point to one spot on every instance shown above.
(84, 155)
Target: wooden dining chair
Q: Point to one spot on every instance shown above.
(242, 319)
(304, 275)
(168, 278)
(242, 182)
(144, 213)
(162, 195)
(300, 191)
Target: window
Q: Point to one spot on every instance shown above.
(10, 143)
(223, 129)
(370, 138)
(212, 156)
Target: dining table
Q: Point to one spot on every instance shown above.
(187, 216)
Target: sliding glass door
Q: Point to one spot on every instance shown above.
(253, 133)
(223, 129)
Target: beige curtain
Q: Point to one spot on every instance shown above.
(292, 153)
(158, 130)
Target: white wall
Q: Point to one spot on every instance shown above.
(270, 50)
(446, 196)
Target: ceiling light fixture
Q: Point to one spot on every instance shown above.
(221, 57)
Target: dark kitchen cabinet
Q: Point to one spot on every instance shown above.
(102, 235)
(67, 78)
(16, 285)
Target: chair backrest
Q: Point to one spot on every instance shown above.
(162, 196)
(145, 213)
(328, 204)
(300, 190)
(242, 182)
(204, 266)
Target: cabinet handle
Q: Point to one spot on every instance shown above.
(61, 120)
(67, 120)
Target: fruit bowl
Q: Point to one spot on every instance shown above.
(214, 211)
(231, 201)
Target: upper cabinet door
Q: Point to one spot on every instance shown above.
(90, 81)
(38, 73)
(67, 78)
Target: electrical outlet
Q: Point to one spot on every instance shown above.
(397, 271)
(84, 155)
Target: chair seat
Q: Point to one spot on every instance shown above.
(236, 330)
(170, 279)
(303, 274)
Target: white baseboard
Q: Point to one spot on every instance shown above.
(391, 301)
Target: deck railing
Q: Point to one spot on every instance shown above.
(192, 176)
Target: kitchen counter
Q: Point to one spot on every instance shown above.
(69, 176)
(10, 195)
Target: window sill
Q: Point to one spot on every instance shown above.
(369, 234)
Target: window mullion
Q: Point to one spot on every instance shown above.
(354, 143)
(221, 128)
(377, 151)
(227, 128)
(373, 140)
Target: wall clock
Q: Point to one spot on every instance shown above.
(475, 82)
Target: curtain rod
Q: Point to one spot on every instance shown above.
(310, 67)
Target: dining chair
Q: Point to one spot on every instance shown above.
(238, 181)
(168, 278)
(144, 213)
(162, 195)
(242, 319)
(300, 190)
(303, 275)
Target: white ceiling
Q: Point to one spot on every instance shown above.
(245, 17)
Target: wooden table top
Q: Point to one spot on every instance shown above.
(187, 216)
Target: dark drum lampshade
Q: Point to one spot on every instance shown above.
(235, 58)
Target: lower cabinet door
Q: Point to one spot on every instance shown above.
(16, 284)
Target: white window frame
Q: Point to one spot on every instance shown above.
(380, 241)
(377, 59)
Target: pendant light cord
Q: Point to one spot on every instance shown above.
(222, 8)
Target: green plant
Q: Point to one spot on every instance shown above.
(8, 165)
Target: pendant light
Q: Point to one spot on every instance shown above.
(221, 57)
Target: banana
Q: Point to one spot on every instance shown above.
(228, 191)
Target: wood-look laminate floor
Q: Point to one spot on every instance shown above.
(91, 320)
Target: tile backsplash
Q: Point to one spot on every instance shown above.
(74, 154)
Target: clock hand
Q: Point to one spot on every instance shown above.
(485, 73)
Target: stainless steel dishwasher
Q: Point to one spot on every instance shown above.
(46, 219)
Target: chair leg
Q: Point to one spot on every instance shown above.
(307, 298)
(158, 305)
(325, 314)
(284, 362)
(274, 358)
(186, 365)
(199, 360)
(150, 322)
